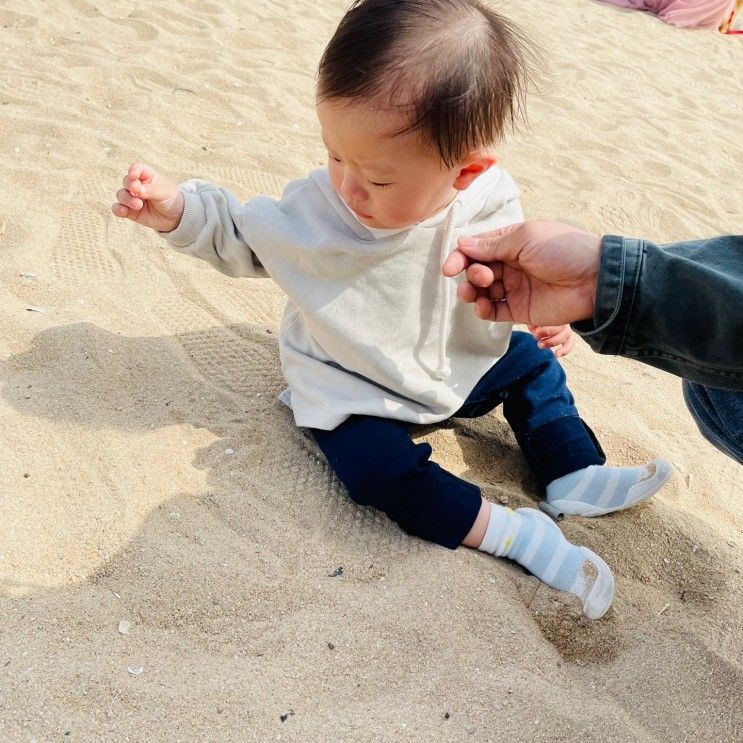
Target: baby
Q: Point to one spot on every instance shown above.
(411, 96)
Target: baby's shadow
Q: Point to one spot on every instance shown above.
(225, 379)
(88, 376)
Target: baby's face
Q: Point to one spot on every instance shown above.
(388, 181)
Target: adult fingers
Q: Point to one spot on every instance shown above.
(455, 263)
(486, 309)
(496, 291)
(466, 292)
(479, 275)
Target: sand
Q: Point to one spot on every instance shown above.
(148, 473)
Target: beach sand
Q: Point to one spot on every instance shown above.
(149, 475)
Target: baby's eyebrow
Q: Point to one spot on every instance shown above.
(381, 171)
(383, 168)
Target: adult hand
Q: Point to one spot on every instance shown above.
(537, 273)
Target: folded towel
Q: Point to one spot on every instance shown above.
(688, 13)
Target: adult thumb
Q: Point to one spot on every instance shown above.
(503, 244)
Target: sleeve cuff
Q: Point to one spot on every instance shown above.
(192, 221)
(620, 261)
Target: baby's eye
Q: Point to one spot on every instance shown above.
(336, 159)
(380, 185)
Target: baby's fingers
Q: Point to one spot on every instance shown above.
(141, 172)
(126, 198)
(559, 338)
(566, 347)
(542, 332)
(141, 180)
(127, 206)
(146, 183)
(119, 210)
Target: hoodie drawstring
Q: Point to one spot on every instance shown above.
(443, 370)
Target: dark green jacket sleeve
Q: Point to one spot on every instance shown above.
(678, 307)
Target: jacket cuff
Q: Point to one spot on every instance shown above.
(192, 221)
(621, 259)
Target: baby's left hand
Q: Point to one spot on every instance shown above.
(559, 338)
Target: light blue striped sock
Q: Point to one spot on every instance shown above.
(599, 489)
(534, 541)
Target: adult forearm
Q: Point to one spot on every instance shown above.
(678, 307)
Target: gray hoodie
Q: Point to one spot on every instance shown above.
(371, 327)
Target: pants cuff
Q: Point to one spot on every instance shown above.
(560, 447)
(446, 508)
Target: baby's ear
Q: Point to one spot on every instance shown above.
(472, 167)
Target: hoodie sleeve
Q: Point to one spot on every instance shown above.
(209, 229)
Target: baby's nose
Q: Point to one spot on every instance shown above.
(351, 189)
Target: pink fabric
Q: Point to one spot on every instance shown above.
(696, 13)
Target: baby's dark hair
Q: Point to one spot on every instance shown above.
(458, 69)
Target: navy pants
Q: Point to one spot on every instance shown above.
(719, 416)
(381, 467)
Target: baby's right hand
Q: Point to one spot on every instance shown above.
(149, 198)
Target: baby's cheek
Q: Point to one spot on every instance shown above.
(405, 212)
